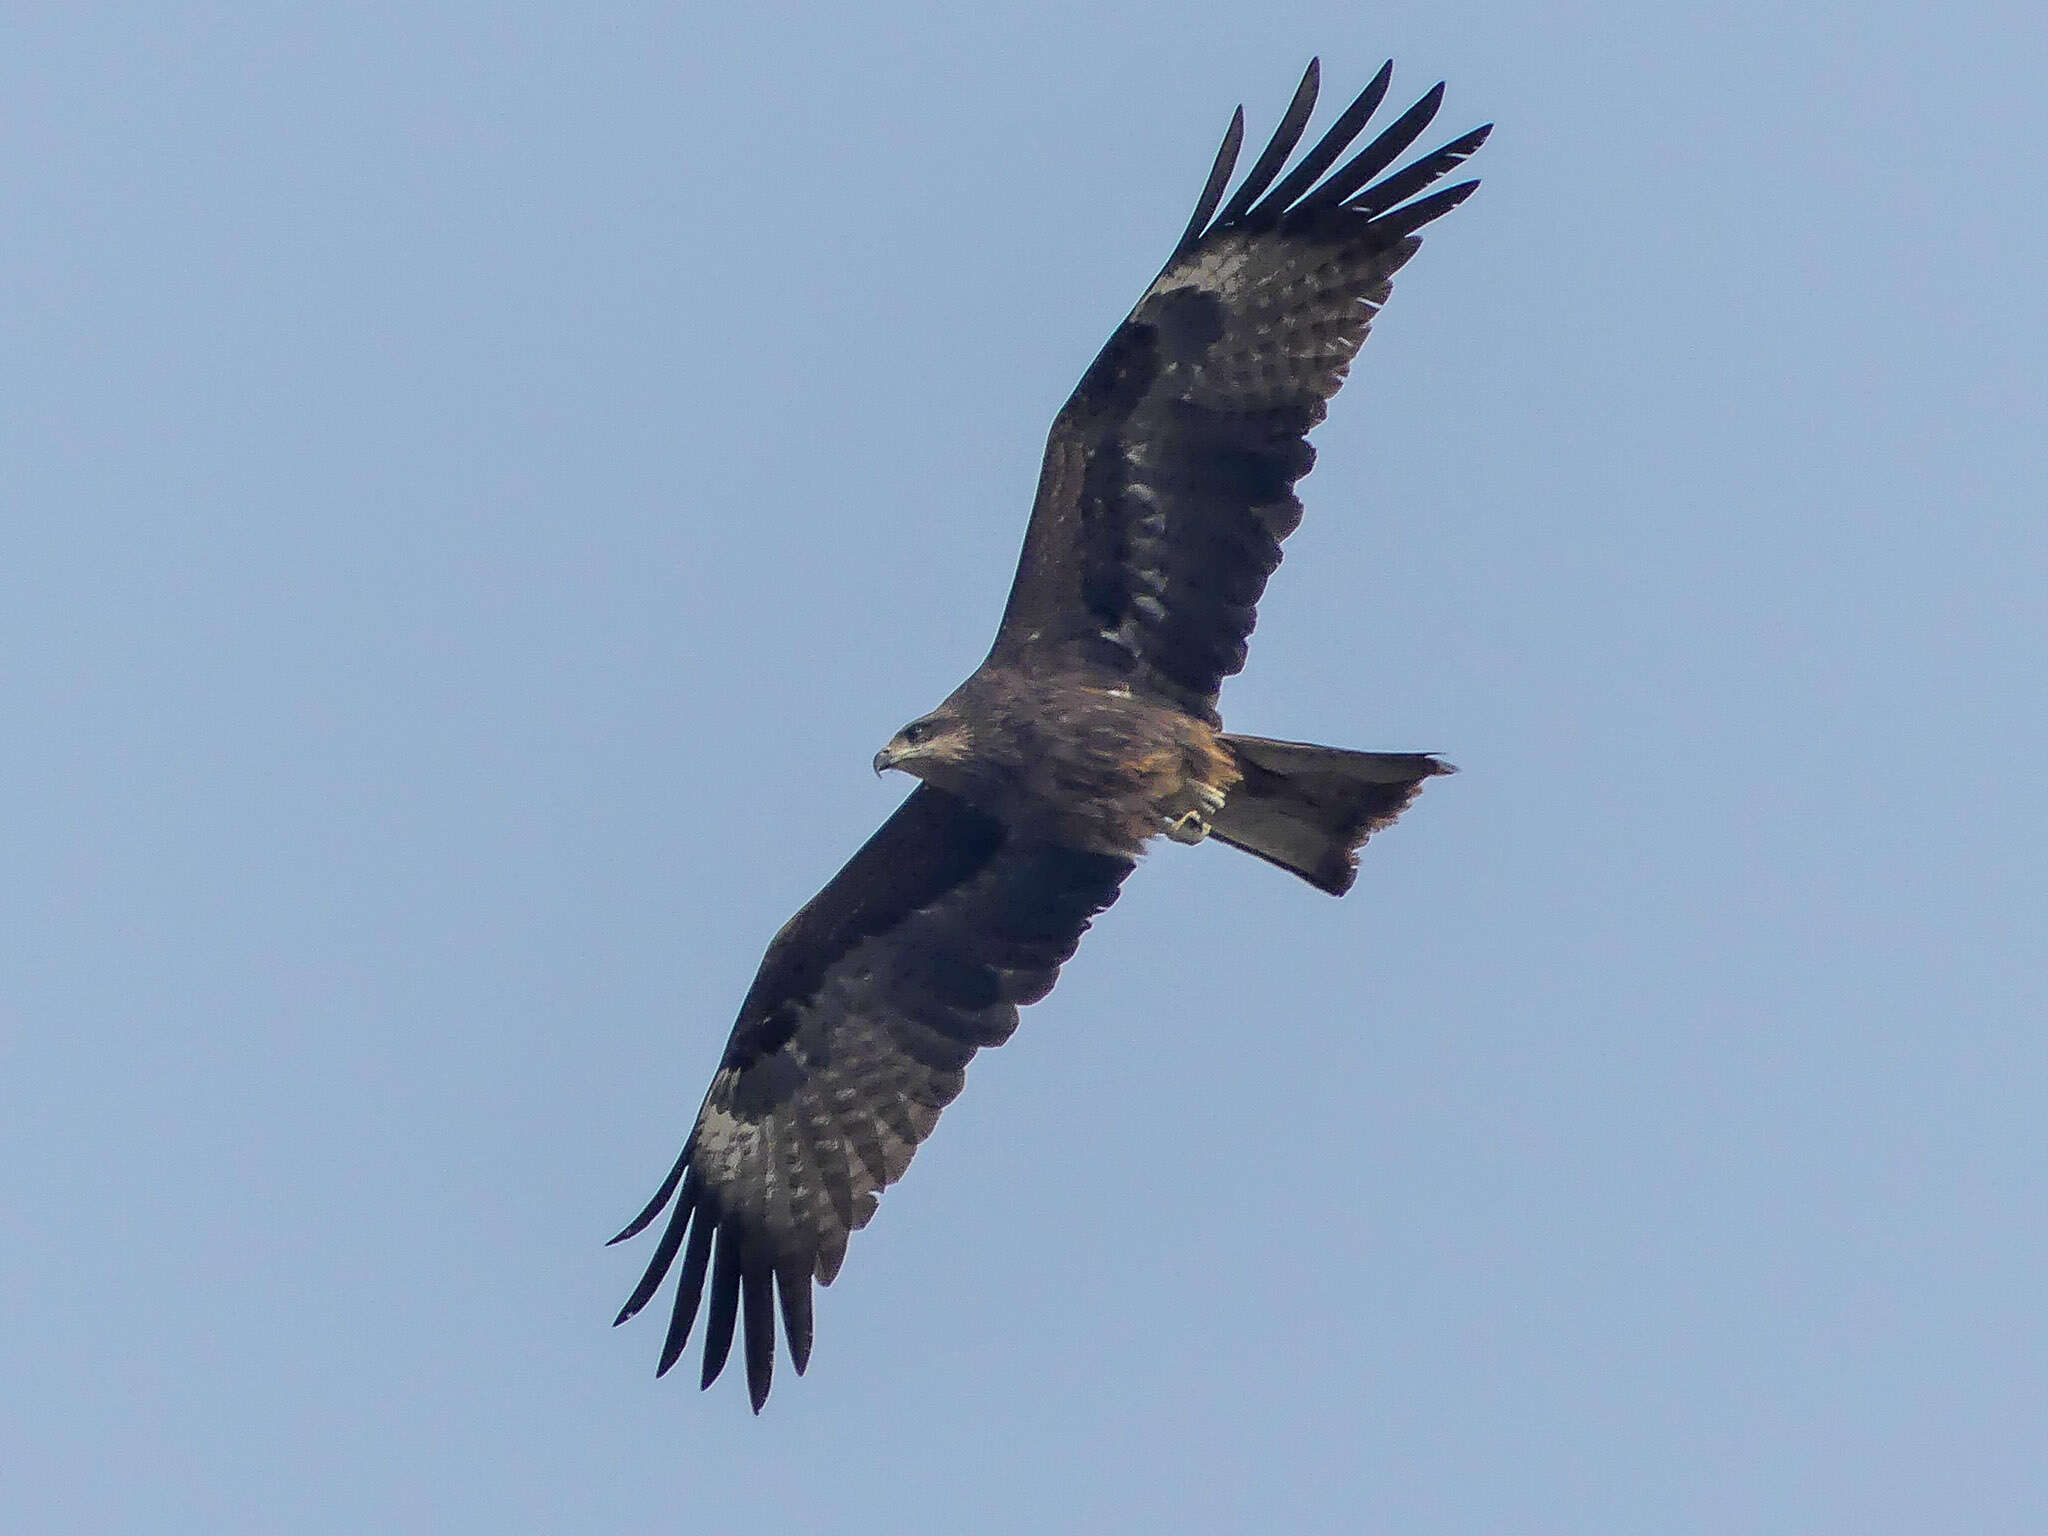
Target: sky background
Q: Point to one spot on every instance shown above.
(479, 482)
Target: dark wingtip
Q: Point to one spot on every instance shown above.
(793, 1285)
(689, 1292)
(654, 1207)
(1380, 153)
(1412, 178)
(1297, 182)
(757, 1322)
(1403, 222)
(1273, 158)
(725, 1302)
(664, 1254)
(1219, 178)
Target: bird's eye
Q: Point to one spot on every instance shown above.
(916, 731)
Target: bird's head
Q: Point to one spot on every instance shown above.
(929, 748)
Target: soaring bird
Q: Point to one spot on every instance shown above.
(1090, 729)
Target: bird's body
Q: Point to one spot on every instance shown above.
(1076, 757)
(1092, 727)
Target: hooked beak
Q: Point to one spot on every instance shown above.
(887, 758)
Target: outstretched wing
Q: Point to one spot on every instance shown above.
(1169, 475)
(854, 1035)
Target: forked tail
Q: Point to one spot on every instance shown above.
(1308, 809)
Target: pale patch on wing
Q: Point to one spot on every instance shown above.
(728, 1148)
(1217, 266)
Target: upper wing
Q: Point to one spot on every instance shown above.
(867, 1008)
(1169, 474)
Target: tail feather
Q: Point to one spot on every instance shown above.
(1308, 809)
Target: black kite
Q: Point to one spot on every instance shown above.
(1092, 727)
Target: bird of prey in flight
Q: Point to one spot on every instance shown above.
(1091, 728)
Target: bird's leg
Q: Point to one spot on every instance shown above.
(1192, 825)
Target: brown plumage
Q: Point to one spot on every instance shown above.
(1091, 728)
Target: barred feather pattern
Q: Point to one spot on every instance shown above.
(1169, 475)
(856, 1034)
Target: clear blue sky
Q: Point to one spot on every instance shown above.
(479, 483)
